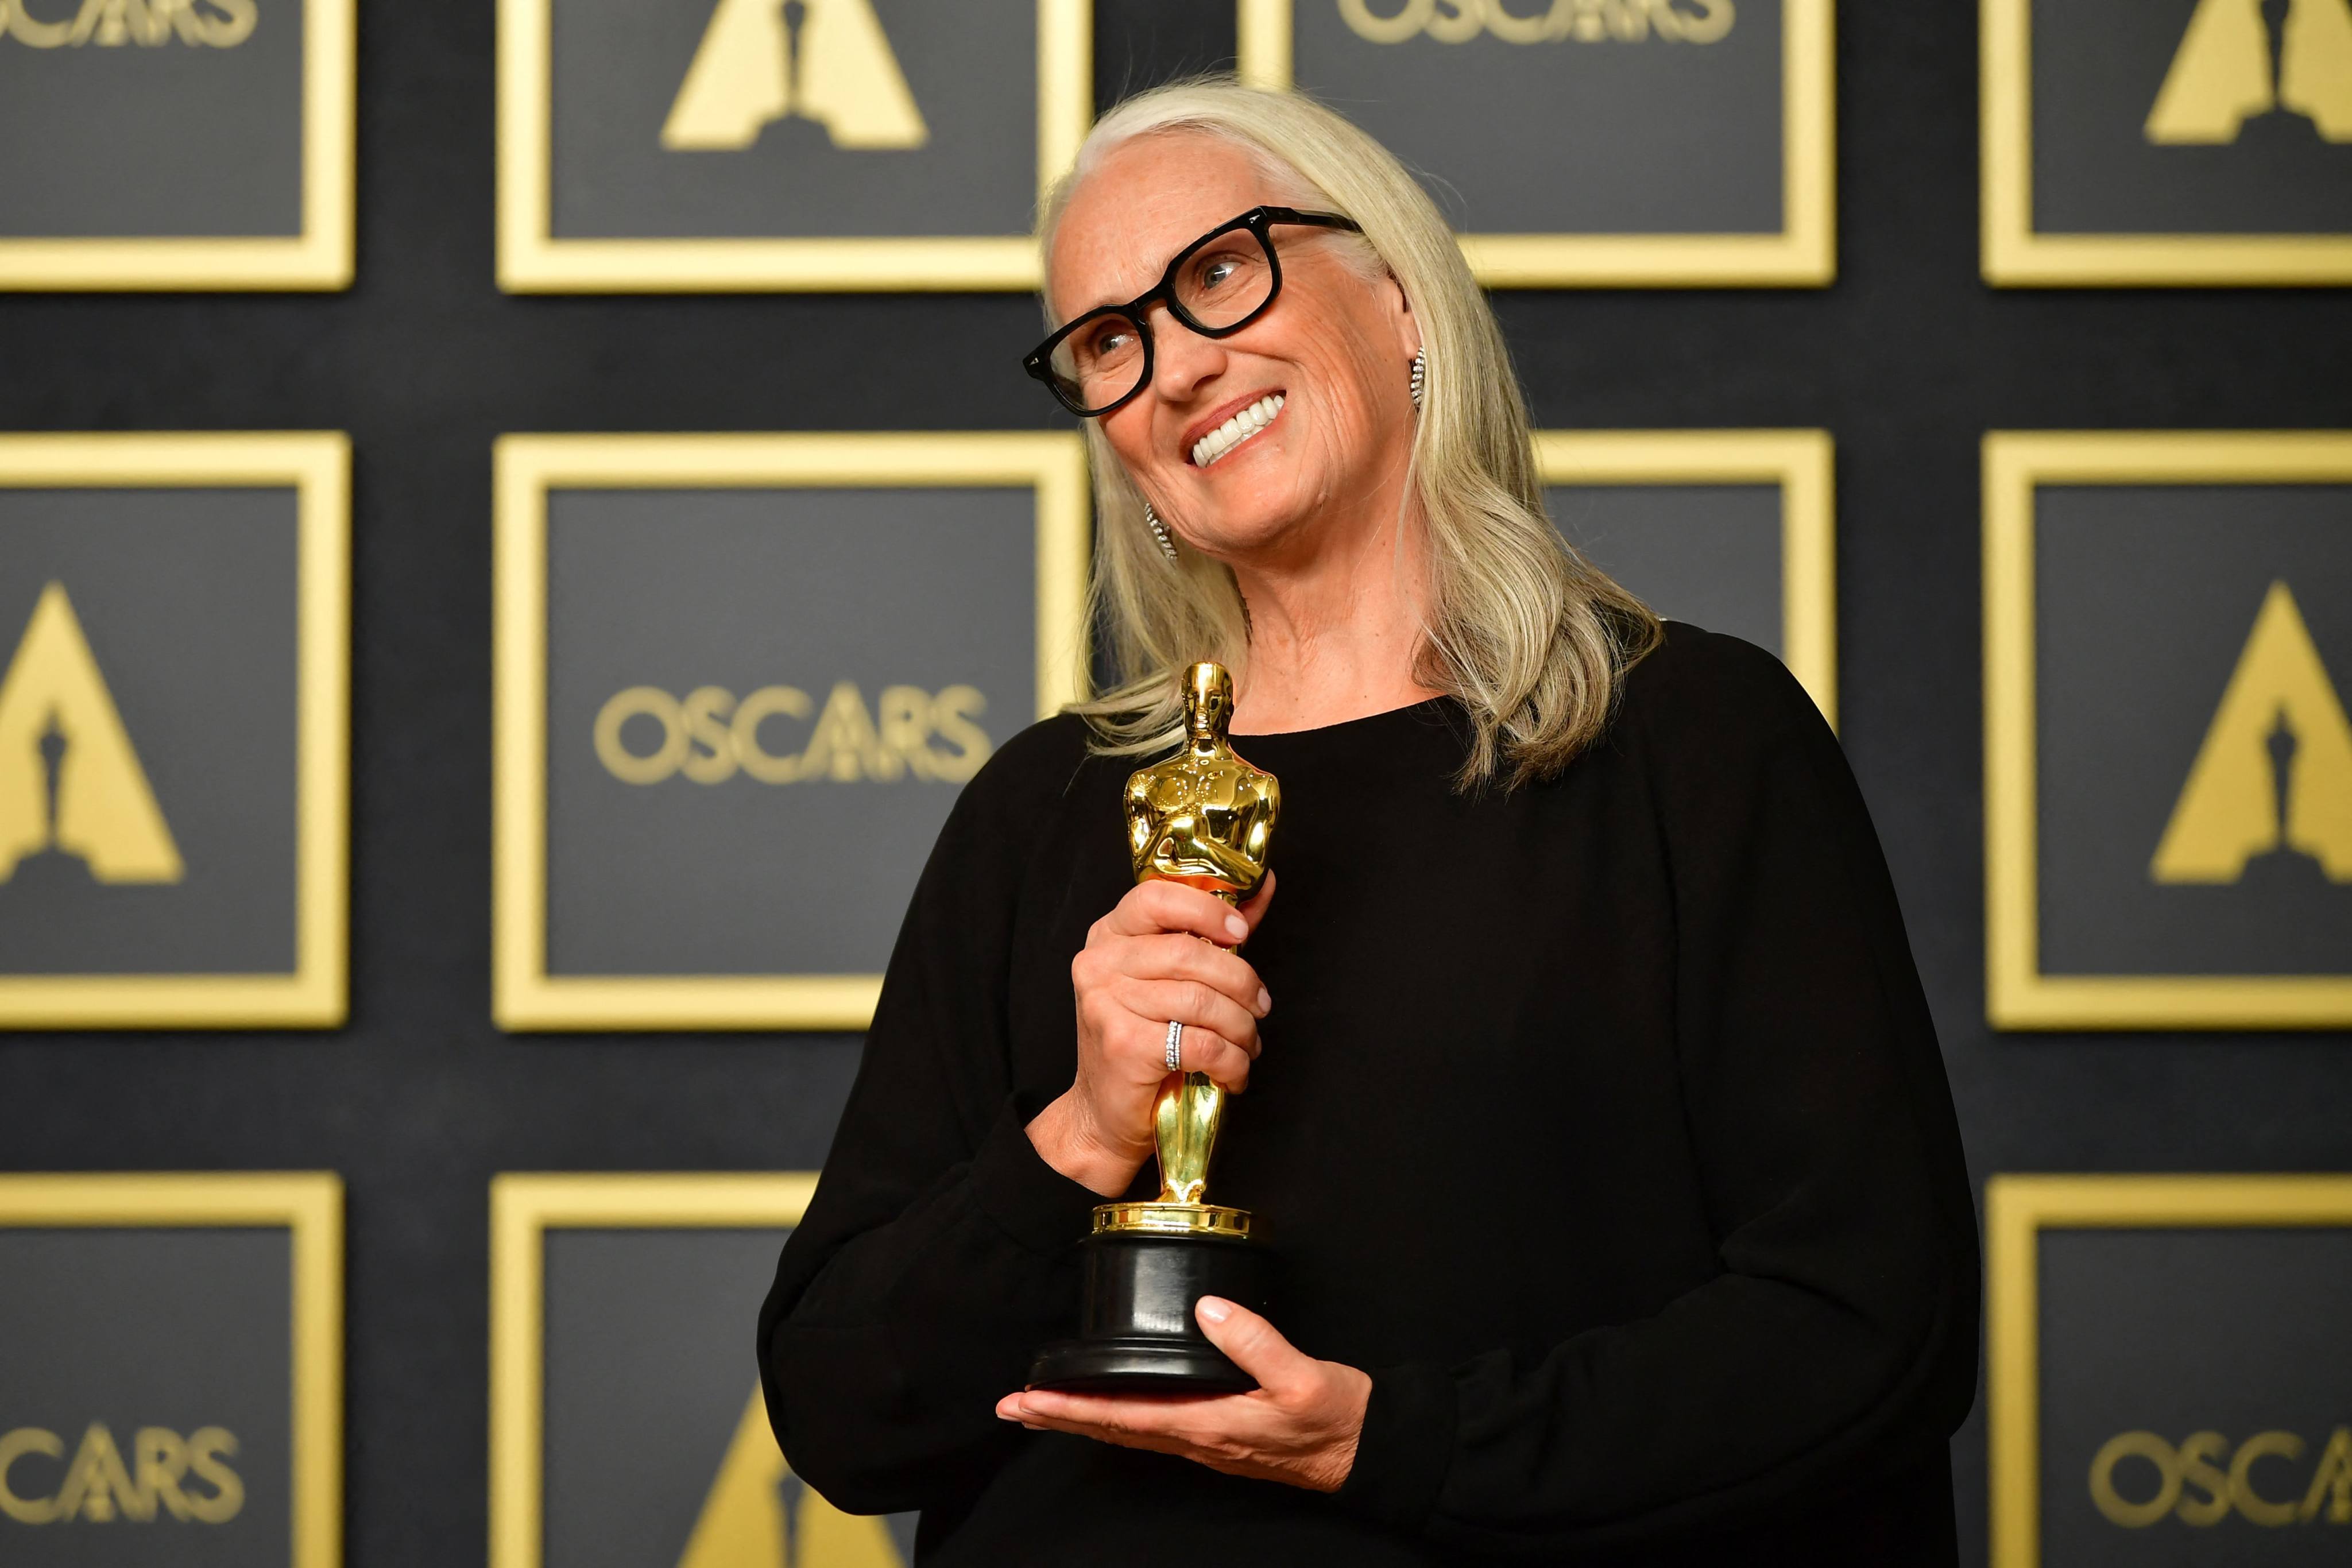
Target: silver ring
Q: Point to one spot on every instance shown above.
(1175, 1046)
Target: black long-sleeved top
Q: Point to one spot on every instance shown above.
(1600, 1120)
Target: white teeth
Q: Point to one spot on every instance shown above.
(1236, 429)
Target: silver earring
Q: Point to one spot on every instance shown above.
(1419, 374)
(1158, 531)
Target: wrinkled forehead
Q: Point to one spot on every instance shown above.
(1145, 201)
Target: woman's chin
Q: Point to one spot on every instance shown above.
(1252, 496)
(1241, 533)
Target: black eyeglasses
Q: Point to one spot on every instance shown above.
(1216, 286)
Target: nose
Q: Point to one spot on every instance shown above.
(1181, 360)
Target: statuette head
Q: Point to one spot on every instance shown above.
(1208, 702)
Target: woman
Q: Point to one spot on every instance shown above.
(1588, 1078)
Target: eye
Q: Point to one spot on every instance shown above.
(1218, 271)
(1112, 337)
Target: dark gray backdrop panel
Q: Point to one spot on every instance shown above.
(160, 142)
(681, 589)
(2144, 600)
(1657, 136)
(1908, 360)
(177, 1328)
(1708, 554)
(187, 599)
(2174, 1331)
(648, 1370)
(618, 65)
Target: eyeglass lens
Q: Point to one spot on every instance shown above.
(1219, 285)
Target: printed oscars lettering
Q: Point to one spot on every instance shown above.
(1564, 21)
(709, 736)
(111, 24)
(2206, 1478)
(164, 1475)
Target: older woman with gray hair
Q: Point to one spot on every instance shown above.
(1622, 1214)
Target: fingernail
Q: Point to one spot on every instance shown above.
(1211, 1310)
(1265, 1002)
(1236, 927)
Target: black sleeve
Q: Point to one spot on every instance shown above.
(1837, 1343)
(935, 1258)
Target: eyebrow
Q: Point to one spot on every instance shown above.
(1157, 272)
(1108, 299)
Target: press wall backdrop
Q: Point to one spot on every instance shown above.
(516, 520)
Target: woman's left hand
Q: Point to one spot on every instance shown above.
(1299, 1426)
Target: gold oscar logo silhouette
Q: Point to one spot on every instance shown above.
(759, 1515)
(2273, 781)
(826, 61)
(2251, 59)
(70, 783)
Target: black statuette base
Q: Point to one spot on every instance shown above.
(1136, 1333)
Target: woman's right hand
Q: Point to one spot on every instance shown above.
(1162, 952)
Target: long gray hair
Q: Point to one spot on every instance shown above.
(1532, 638)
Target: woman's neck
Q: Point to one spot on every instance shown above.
(1334, 636)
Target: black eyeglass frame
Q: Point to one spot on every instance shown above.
(1259, 221)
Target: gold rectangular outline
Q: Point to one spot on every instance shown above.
(526, 467)
(2017, 1208)
(2018, 996)
(523, 1207)
(2015, 254)
(1802, 256)
(309, 1206)
(532, 260)
(320, 258)
(1801, 463)
(316, 466)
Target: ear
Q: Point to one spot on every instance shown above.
(1400, 316)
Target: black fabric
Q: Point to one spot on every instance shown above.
(1600, 1120)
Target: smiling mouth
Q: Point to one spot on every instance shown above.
(1236, 429)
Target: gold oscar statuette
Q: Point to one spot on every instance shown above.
(1203, 817)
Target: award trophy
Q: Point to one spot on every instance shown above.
(1203, 818)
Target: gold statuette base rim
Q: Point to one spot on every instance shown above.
(1172, 1220)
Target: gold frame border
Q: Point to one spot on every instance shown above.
(524, 996)
(320, 257)
(532, 260)
(2015, 253)
(2018, 996)
(2017, 1208)
(308, 1205)
(523, 1208)
(1802, 462)
(316, 466)
(1803, 254)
